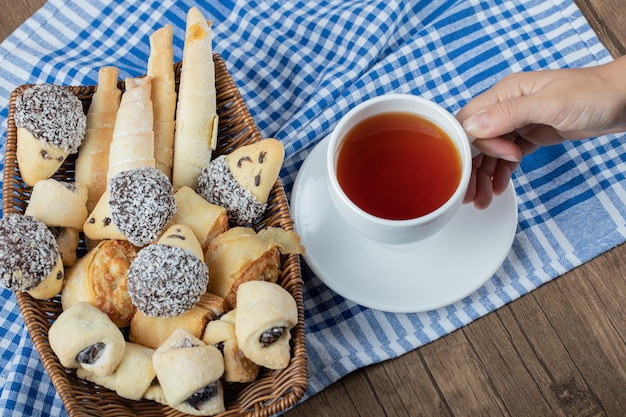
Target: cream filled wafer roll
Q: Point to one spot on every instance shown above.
(132, 145)
(84, 337)
(93, 156)
(196, 114)
(265, 314)
(163, 96)
(197, 390)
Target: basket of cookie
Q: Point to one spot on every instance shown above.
(148, 240)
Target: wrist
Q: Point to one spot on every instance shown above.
(615, 75)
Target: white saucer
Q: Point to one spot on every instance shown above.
(431, 274)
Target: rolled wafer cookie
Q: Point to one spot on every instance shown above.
(163, 96)
(195, 136)
(92, 162)
(132, 145)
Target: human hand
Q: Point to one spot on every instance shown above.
(527, 110)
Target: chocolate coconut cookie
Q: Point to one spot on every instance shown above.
(142, 203)
(53, 115)
(50, 126)
(242, 180)
(218, 186)
(166, 281)
(29, 257)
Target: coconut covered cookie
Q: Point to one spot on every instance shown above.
(50, 126)
(242, 180)
(142, 203)
(168, 278)
(29, 257)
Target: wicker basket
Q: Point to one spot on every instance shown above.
(273, 391)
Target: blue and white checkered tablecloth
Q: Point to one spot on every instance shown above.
(300, 65)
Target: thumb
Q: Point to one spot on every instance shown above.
(504, 117)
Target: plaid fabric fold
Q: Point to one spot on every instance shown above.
(300, 66)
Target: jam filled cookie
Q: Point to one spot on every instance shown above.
(198, 390)
(132, 377)
(84, 337)
(264, 338)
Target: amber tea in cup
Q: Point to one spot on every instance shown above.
(398, 166)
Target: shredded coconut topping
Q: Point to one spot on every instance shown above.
(53, 115)
(166, 281)
(142, 203)
(28, 252)
(218, 186)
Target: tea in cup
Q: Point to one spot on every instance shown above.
(398, 168)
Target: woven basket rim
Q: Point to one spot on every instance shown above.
(273, 391)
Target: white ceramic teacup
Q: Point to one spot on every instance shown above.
(410, 230)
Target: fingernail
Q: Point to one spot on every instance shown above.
(509, 158)
(477, 124)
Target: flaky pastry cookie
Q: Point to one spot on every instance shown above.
(240, 254)
(101, 279)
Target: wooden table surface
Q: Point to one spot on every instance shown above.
(558, 351)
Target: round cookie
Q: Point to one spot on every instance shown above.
(142, 203)
(165, 281)
(53, 115)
